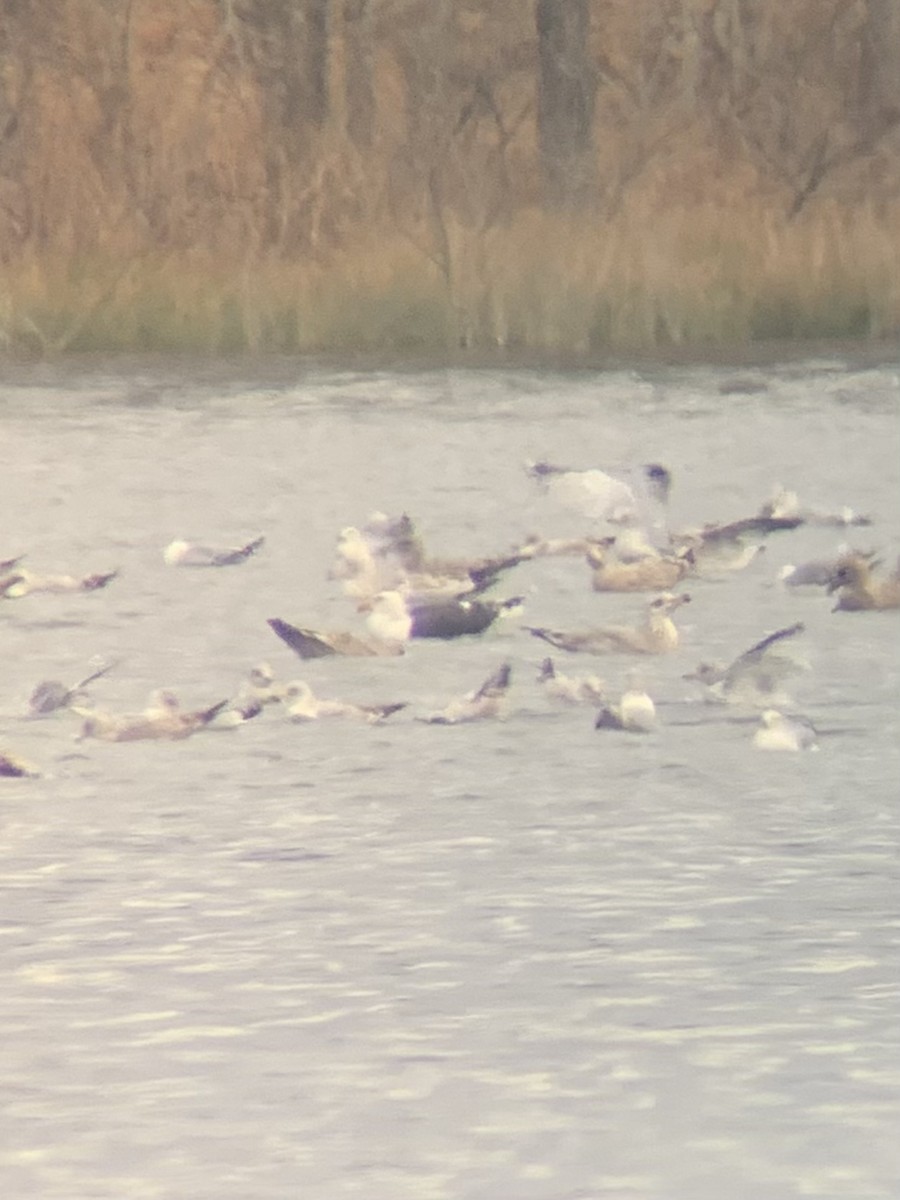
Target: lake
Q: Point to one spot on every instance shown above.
(512, 960)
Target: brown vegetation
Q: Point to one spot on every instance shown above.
(417, 174)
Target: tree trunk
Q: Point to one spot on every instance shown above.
(881, 58)
(359, 87)
(566, 89)
(314, 62)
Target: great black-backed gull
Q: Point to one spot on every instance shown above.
(657, 635)
(394, 618)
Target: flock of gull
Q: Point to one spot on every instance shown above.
(398, 592)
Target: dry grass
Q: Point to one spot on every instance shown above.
(160, 194)
(642, 281)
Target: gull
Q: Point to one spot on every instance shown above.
(302, 705)
(355, 565)
(399, 539)
(489, 700)
(646, 574)
(756, 675)
(163, 719)
(13, 767)
(817, 572)
(630, 545)
(635, 712)
(181, 553)
(363, 575)
(536, 546)
(657, 634)
(718, 555)
(243, 707)
(859, 588)
(394, 618)
(396, 536)
(51, 695)
(601, 496)
(725, 546)
(785, 503)
(9, 564)
(235, 713)
(260, 686)
(779, 732)
(23, 582)
(320, 643)
(584, 689)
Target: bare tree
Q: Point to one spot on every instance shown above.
(798, 94)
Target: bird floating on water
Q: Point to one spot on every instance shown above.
(633, 499)
(162, 719)
(261, 686)
(568, 689)
(786, 503)
(13, 767)
(484, 702)
(646, 574)
(656, 635)
(51, 695)
(635, 712)
(182, 553)
(394, 618)
(397, 540)
(23, 582)
(779, 732)
(815, 572)
(756, 675)
(861, 590)
(363, 574)
(322, 643)
(301, 704)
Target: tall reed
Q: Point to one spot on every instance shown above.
(641, 281)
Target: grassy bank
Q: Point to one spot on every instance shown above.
(641, 282)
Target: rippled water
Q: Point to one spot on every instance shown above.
(509, 961)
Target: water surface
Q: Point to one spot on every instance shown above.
(510, 961)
